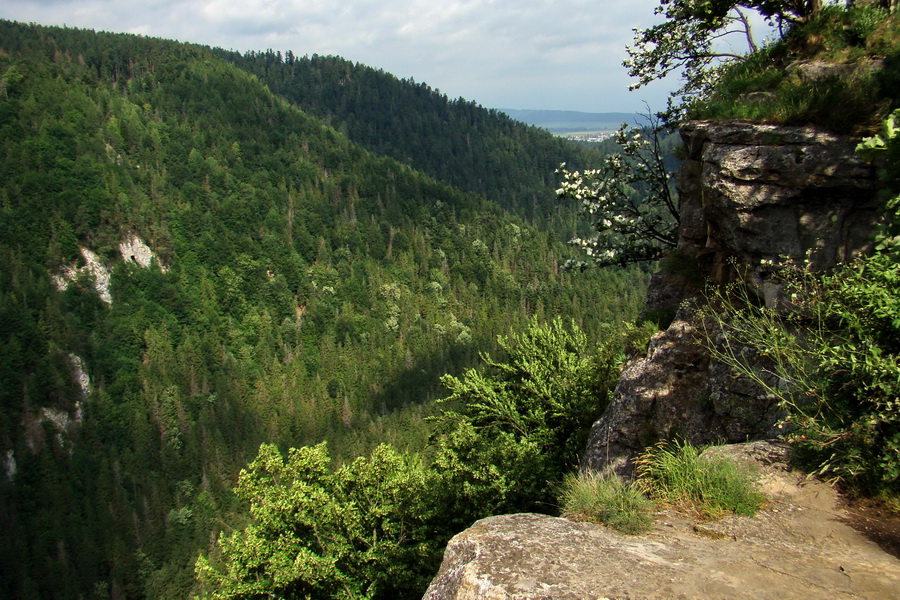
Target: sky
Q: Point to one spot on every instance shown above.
(517, 54)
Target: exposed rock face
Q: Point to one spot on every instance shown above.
(677, 390)
(749, 193)
(63, 423)
(93, 267)
(799, 547)
(79, 373)
(814, 70)
(753, 192)
(134, 249)
(9, 464)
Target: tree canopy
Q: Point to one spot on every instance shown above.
(302, 289)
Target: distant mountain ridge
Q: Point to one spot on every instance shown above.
(568, 121)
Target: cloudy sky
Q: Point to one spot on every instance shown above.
(537, 54)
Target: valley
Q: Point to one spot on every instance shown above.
(311, 272)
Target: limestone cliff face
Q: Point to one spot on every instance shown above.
(752, 192)
(749, 193)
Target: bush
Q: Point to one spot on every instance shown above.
(354, 532)
(522, 421)
(676, 473)
(375, 528)
(833, 353)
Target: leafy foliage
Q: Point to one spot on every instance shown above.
(685, 42)
(833, 366)
(375, 528)
(302, 289)
(354, 532)
(523, 421)
(884, 148)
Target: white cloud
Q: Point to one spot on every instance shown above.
(563, 54)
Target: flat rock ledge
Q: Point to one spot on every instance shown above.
(800, 546)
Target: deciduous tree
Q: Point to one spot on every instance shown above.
(630, 199)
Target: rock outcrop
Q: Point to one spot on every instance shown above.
(751, 192)
(751, 195)
(677, 390)
(134, 249)
(799, 547)
(93, 267)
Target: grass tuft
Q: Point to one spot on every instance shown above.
(606, 500)
(676, 473)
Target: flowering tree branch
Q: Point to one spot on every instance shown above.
(630, 200)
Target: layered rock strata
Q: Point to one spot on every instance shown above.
(752, 197)
(751, 192)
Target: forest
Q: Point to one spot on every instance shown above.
(325, 283)
(456, 141)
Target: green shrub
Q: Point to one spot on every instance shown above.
(521, 422)
(317, 532)
(676, 473)
(606, 500)
(834, 358)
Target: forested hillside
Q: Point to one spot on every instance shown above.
(299, 288)
(453, 140)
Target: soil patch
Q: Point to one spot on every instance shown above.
(876, 521)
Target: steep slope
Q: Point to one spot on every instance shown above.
(456, 141)
(189, 266)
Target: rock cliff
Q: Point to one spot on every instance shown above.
(749, 194)
(799, 547)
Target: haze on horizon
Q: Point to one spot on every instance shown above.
(549, 55)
